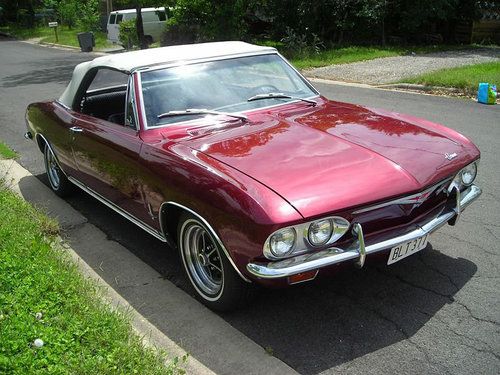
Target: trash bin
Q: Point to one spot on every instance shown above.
(86, 41)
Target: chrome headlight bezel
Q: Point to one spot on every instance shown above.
(288, 232)
(458, 178)
(310, 232)
(471, 168)
(302, 242)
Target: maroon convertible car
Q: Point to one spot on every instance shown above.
(227, 153)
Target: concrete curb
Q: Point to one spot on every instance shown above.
(56, 45)
(12, 172)
(409, 88)
(38, 42)
(418, 87)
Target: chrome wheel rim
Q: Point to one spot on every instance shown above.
(202, 259)
(52, 169)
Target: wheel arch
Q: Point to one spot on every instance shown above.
(169, 216)
(41, 141)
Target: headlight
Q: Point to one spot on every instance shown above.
(282, 241)
(320, 232)
(468, 174)
(304, 237)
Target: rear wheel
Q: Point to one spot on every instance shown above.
(58, 181)
(209, 271)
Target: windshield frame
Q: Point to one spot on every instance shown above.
(139, 71)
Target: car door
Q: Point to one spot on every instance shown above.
(107, 148)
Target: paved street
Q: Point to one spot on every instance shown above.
(436, 312)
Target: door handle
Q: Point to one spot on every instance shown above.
(76, 129)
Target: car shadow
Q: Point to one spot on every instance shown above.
(321, 324)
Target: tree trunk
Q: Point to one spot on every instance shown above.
(383, 32)
(31, 15)
(140, 27)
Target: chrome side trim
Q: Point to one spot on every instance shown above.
(328, 257)
(117, 209)
(62, 104)
(212, 232)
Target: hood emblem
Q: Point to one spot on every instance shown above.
(416, 200)
(450, 156)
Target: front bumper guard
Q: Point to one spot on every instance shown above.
(358, 250)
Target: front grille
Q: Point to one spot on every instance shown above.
(403, 211)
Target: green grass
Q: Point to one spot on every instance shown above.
(344, 55)
(81, 334)
(465, 77)
(6, 152)
(66, 36)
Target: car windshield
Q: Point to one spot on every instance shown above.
(223, 85)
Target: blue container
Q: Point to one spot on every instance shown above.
(486, 93)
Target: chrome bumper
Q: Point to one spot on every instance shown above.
(358, 250)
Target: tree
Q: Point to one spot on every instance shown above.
(143, 44)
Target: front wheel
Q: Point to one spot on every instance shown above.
(211, 274)
(58, 181)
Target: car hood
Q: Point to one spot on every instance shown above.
(336, 156)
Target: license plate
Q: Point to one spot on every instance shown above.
(406, 249)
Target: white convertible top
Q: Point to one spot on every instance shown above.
(129, 61)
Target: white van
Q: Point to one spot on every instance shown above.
(154, 20)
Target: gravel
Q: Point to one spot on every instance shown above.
(394, 69)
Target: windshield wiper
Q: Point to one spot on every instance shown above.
(201, 111)
(279, 95)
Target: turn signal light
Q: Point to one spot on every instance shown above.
(302, 277)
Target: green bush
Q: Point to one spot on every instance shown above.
(89, 15)
(128, 34)
(205, 20)
(176, 33)
(301, 45)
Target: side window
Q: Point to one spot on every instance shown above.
(108, 78)
(105, 96)
(112, 18)
(119, 18)
(161, 15)
(149, 17)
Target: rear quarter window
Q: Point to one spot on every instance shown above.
(107, 78)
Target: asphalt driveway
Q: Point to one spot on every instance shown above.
(436, 312)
